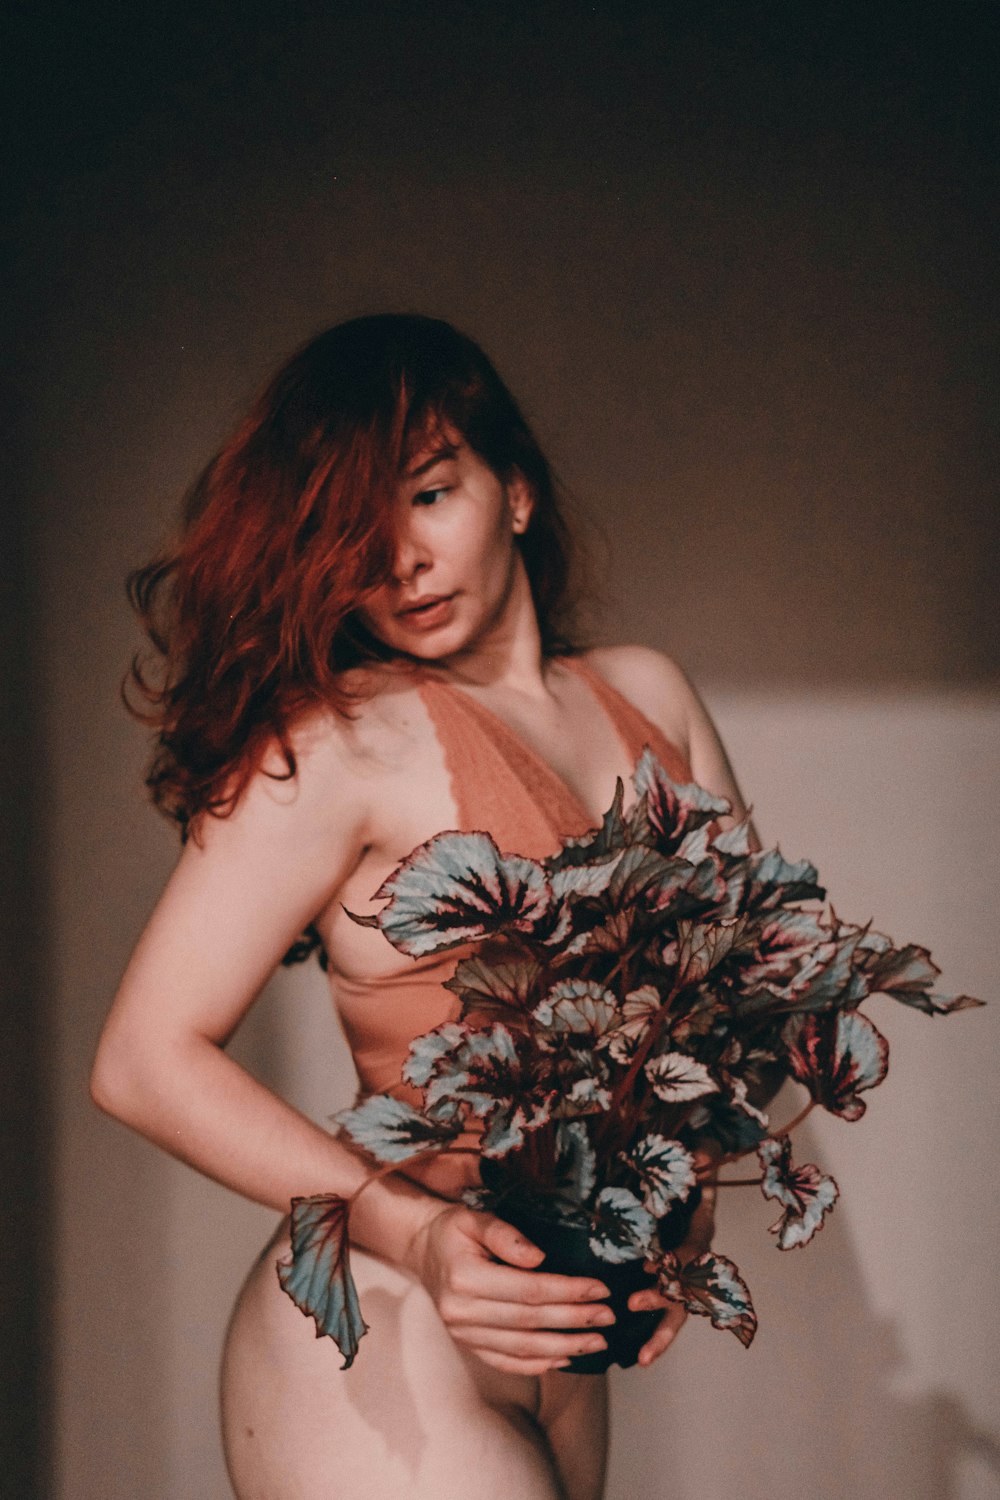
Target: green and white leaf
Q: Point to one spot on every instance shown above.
(677, 1078)
(666, 1170)
(623, 1229)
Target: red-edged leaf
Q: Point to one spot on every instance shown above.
(494, 988)
(711, 1286)
(775, 882)
(804, 1193)
(677, 1078)
(907, 974)
(458, 888)
(317, 1275)
(580, 1006)
(836, 1054)
(672, 809)
(597, 844)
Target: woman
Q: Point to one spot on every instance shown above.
(363, 627)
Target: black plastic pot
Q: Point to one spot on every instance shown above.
(568, 1253)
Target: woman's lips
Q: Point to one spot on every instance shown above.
(427, 616)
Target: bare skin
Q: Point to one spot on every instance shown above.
(368, 790)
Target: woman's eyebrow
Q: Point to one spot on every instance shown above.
(432, 459)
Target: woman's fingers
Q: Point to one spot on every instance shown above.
(494, 1302)
(674, 1317)
(473, 1310)
(505, 1242)
(523, 1344)
(667, 1329)
(496, 1283)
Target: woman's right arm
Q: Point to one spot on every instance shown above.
(229, 911)
(231, 908)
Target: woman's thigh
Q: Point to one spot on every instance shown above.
(414, 1416)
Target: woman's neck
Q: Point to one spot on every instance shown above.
(509, 653)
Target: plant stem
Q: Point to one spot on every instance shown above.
(797, 1120)
(643, 1050)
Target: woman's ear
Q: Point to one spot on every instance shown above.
(521, 502)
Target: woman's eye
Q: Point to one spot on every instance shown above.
(429, 497)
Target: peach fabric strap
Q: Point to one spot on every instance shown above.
(635, 729)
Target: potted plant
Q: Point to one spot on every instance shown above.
(629, 1003)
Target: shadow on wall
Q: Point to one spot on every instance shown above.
(816, 1407)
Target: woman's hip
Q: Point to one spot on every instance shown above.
(414, 1410)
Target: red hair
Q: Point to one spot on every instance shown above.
(253, 610)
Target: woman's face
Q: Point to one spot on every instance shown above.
(456, 554)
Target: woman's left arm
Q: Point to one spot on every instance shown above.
(661, 688)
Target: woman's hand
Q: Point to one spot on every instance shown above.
(699, 1239)
(478, 1270)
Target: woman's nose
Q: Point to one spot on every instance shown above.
(412, 555)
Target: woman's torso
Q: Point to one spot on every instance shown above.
(429, 756)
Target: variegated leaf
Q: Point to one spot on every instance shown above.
(936, 1005)
(595, 846)
(583, 880)
(393, 1131)
(496, 987)
(458, 888)
(612, 934)
(828, 976)
(711, 1286)
(677, 1078)
(694, 846)
(507, 1123)
(576, 1163)
(907, 974)
(837, 1055)
(426, 1052)
(673, 809)
(483, 1069)
(638, 1009)
(580, 1006)
(702, 946)
(735, 842)
(666, 1170)
(317, 1274)
(623, 1229)
(707, 885)
(775, 882)
(805, 1194)
(823, 978)
(785, 939)
(585, 1096)
(642, 872)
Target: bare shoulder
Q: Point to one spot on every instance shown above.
(655, 683)
(338, 760)
(661, 688)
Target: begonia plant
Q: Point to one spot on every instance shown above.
(624, 1003)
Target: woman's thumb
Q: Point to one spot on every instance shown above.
(509, 1244)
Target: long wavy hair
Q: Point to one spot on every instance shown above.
(253, 610)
